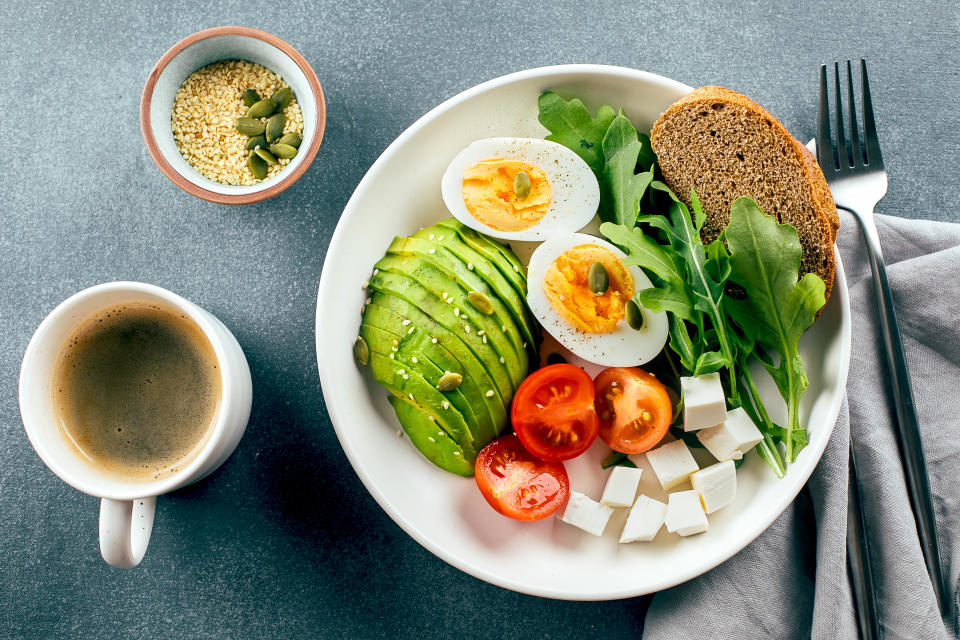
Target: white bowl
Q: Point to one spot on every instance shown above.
(445, 513)
(228, 43)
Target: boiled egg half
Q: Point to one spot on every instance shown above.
(520, 188)
(592, 325)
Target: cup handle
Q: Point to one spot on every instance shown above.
(125, 527)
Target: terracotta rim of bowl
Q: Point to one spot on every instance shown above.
(212, 196)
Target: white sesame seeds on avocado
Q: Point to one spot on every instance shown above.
(445, 404)
(402, 371)
(456, 453)
(502, 360)
(432, 236)
(484, 339)
(405, 322)
(431, 250)
(369, 300)
(376, 271)
(406, 377)
(503, 328)
(456, 312)
(430, 438)
(440, 239)
(396, 343)
(433, 340)
(489, 393)
(410, 331)
(414, 360)
(365, 284)
(391, 356)
(466, 328)
(432, 419)
(480, 333)
(516, 268)
(470, 266)
(411, 395)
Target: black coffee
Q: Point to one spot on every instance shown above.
(136, 390)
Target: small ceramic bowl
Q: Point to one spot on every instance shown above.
(228, 43)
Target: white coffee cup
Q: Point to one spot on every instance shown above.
(126, 506)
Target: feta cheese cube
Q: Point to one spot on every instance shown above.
(732, 438)
(685, 514)
(587, 514)
(672, 463)
(644, 521)
(703, 402)
(716, 484)
(621, 487)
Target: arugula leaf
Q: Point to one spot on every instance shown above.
(765, 261)
(571, 125)
(621, 150)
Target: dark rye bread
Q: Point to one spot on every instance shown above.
(724, 145)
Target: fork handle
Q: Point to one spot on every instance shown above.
(908, 430)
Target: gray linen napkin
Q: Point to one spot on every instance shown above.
(792, 582)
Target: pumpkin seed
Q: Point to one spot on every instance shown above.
(449, 381)
(293, 139)
(598, 279)
(251, 97)
(283, 150)
(480, 302)
(256, 141)
(262, 109)
(275, 127)
(257, 166)
(361, 353)
(634, 316)
(521, 185)
(249, 126)
(282, 97)
(266, 156)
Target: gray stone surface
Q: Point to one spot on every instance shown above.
(284, 541)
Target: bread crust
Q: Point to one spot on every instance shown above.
(818, 232)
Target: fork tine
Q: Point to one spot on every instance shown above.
(856, 151)
(843, 153)
(869, 125)
(825, 156)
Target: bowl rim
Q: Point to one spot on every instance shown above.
(335, 410)
(226, 198)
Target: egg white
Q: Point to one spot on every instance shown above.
(622, 347)
(575, 191)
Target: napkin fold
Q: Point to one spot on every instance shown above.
(792, 581)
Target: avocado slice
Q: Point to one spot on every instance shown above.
(458, 260)
(448, 353)
(489, 415)
(496, 353)
(406, 353)
(416, 304)
(472, 321)
(501, 257)
(406, 383)
(435, 445)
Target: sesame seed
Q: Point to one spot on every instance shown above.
(450, 300)
(414, 360)
(502, 360)
(365, 284)
(430, 438)
(516, 268)
(399, 433)
(456, 312)
(405, 322)
(406, 377)
(524, 345)
(432, 236)
(480, 333)
(411, 395)
(394, 349)
(489, 393)
(391, 356)
(376, 271)
(456, 453)
(440, 239)
(411, 331)
(484, 339)
(466, 328)
(445, 404)
(396, 343)
(433, 340)
(402, 371)
(432, 419)
(441, 434)
(503, 328)
(470, 266)
(431, 250)
(613, 384)
(369, 300)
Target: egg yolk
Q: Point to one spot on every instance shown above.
(489, 196)
(566, 285)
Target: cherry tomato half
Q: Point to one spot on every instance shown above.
(634, 408)
(553, 413)
(517, 484)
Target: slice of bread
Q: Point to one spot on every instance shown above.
(724, 145)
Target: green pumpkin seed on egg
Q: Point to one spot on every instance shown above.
(598, 279)
(634, 315)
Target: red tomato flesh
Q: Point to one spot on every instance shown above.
(517, 484)
(634, 409)
(552, 412)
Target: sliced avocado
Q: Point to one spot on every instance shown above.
(407, 354)
(407, 297)
(448, 353)
(435, 445)
(489, 414)
(496, 253)
(472, 321)
(406, 383)
(460, 261)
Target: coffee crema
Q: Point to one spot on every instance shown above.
(136, 390)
